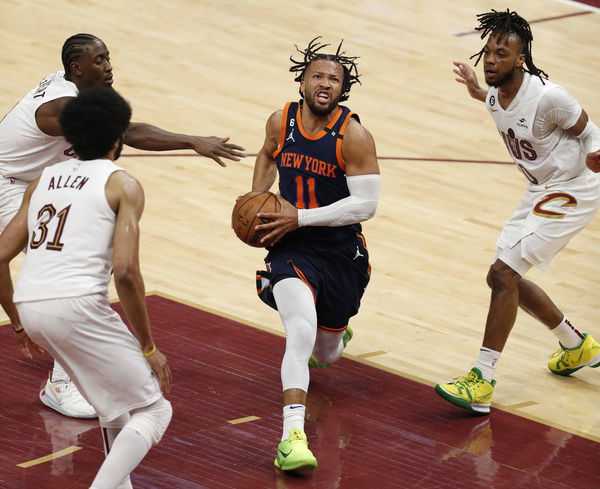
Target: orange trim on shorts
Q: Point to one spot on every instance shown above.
(302, 277)
(322, 132)
(364, 241)
(259, 279)
(340, 140)
(325, 328)
(286, 109)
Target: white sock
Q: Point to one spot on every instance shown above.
(58, 373)
(487, 362)
(293, 418)
(568, 335)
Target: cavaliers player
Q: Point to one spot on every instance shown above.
(79, 220)
(317, 266)
(31, 139)
(549, 137)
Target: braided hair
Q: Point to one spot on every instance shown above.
(73, 48)
(312, 53)
(503, 24)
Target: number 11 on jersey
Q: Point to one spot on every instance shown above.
(309, 185)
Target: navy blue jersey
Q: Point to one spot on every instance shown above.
(312, 172)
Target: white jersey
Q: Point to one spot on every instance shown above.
(71, 228)
(24, 149)
(549, 158)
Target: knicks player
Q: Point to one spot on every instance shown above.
(317, 267)
(79, 220)
(549, 137)
(31, 139)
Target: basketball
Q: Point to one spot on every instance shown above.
(243, 217)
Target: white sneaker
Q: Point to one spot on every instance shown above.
(66, 399)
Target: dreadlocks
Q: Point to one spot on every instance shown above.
(73, 48)
(503, 24)
(311, 53)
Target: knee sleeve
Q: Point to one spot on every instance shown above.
(152, 421)
(296, 307)
(328, 347)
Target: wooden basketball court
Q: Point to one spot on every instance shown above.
(221, 68)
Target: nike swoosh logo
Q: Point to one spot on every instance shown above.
(295, 407)
(494, 110)
(550, 186)
(283, 454)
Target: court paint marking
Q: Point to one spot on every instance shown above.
(48, 458)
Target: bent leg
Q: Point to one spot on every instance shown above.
(142, 431)
(328, 346)
(504, 304)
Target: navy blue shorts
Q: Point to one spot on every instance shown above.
(337, 274)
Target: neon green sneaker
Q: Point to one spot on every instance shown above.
(568, 360)
(293, 453)
(471, 392)
(312, 361)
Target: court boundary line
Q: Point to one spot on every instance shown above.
(381, 158)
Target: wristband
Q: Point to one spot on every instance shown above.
(151, 352)
(17, 331)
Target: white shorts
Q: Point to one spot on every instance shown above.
(96, 349)
(11, 195)
(546, 220)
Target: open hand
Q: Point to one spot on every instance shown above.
(217, 148)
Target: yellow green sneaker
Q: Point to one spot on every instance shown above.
(471, 392)
(568, 360)
(312, 361)
(293, 453)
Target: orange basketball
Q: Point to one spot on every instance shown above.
(243, 217)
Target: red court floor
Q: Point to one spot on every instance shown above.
(368, 428)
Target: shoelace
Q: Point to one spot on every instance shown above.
(466, 379)
(556, 353)
(295, 435)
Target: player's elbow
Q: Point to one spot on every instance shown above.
(368, 209)
(126, 276)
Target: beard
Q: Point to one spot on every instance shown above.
(320, 110)
(503, 79)
(119, 148)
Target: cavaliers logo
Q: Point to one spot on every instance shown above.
(541, 210)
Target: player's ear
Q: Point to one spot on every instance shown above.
(520, 60)
(75, 68)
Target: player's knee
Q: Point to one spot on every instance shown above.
(300, 332)
(152, 421)
(500, 276)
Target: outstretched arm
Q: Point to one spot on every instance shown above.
(467, 76)
(126, 197)
(151, 138)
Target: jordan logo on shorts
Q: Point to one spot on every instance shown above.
(358, 253)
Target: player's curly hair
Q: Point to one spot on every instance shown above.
(73, 48)
(503, 24)
(94, 120)
(312, 53)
